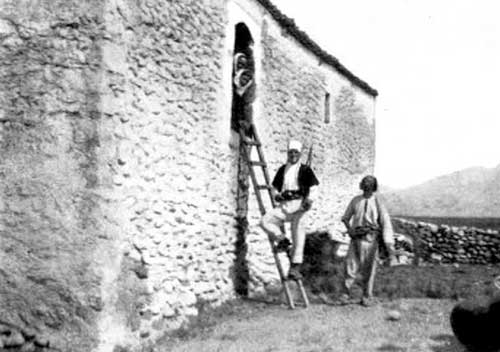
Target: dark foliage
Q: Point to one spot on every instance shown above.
(475, 323)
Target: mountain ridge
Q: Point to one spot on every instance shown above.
(470, 192)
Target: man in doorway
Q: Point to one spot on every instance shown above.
(369, 225)
(294, 188)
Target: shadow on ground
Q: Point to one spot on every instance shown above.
(265, 301)
(447, 343)
(389, 347)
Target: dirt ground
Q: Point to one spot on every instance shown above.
(423, 326)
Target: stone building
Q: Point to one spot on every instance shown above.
(124, 203)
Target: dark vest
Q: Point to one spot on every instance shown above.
(306, 180)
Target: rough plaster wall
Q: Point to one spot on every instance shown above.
(55, 217)
(292, 93)
(118, 187)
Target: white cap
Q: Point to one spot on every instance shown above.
(294, 145)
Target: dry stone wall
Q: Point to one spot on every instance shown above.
(451, 244)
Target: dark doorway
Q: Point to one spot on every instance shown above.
(243, 92)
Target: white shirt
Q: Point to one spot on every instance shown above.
(363, 211)
(291, 177)
(291, 180)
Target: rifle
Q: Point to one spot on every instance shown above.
(306, 204)
(309, 156)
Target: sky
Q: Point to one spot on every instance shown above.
(436, 66)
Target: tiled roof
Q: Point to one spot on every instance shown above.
(289, 25)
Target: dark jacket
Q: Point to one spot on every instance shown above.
(307, 179)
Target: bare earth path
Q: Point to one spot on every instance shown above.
(423, 326)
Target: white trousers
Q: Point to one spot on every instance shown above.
(289, 211)
(361, 261)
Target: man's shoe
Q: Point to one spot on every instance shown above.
(283, 244)
(294, 273)
(323, 298)
(368, 302)
(344, 299)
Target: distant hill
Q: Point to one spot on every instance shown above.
(472, 192)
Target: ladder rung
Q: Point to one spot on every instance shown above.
(251, 142)
(258, 163)
(252, 139)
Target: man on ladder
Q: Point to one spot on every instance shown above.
(294, 187)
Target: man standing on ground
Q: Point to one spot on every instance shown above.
(369, 225)
(293, 188)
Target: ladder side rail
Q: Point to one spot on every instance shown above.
(254, 179)
(265, 169)
(282, 275)
(262, 163)
(299, 283)
(303, 293)
(267, 180)
(277, 260)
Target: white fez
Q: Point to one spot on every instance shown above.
(294, 145)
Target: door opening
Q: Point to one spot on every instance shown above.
(243, 93)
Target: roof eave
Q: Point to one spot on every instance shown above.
(289, 25)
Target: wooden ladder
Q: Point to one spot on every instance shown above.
(251, 140)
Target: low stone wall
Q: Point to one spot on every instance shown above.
(450, 244)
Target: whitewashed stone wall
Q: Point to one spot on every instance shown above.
(177, 171)
(291, 104)
(119, 170)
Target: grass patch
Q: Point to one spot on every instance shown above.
(437, 281)
(207, 318)
(407, 281)
(324, 273)
(204, 323)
